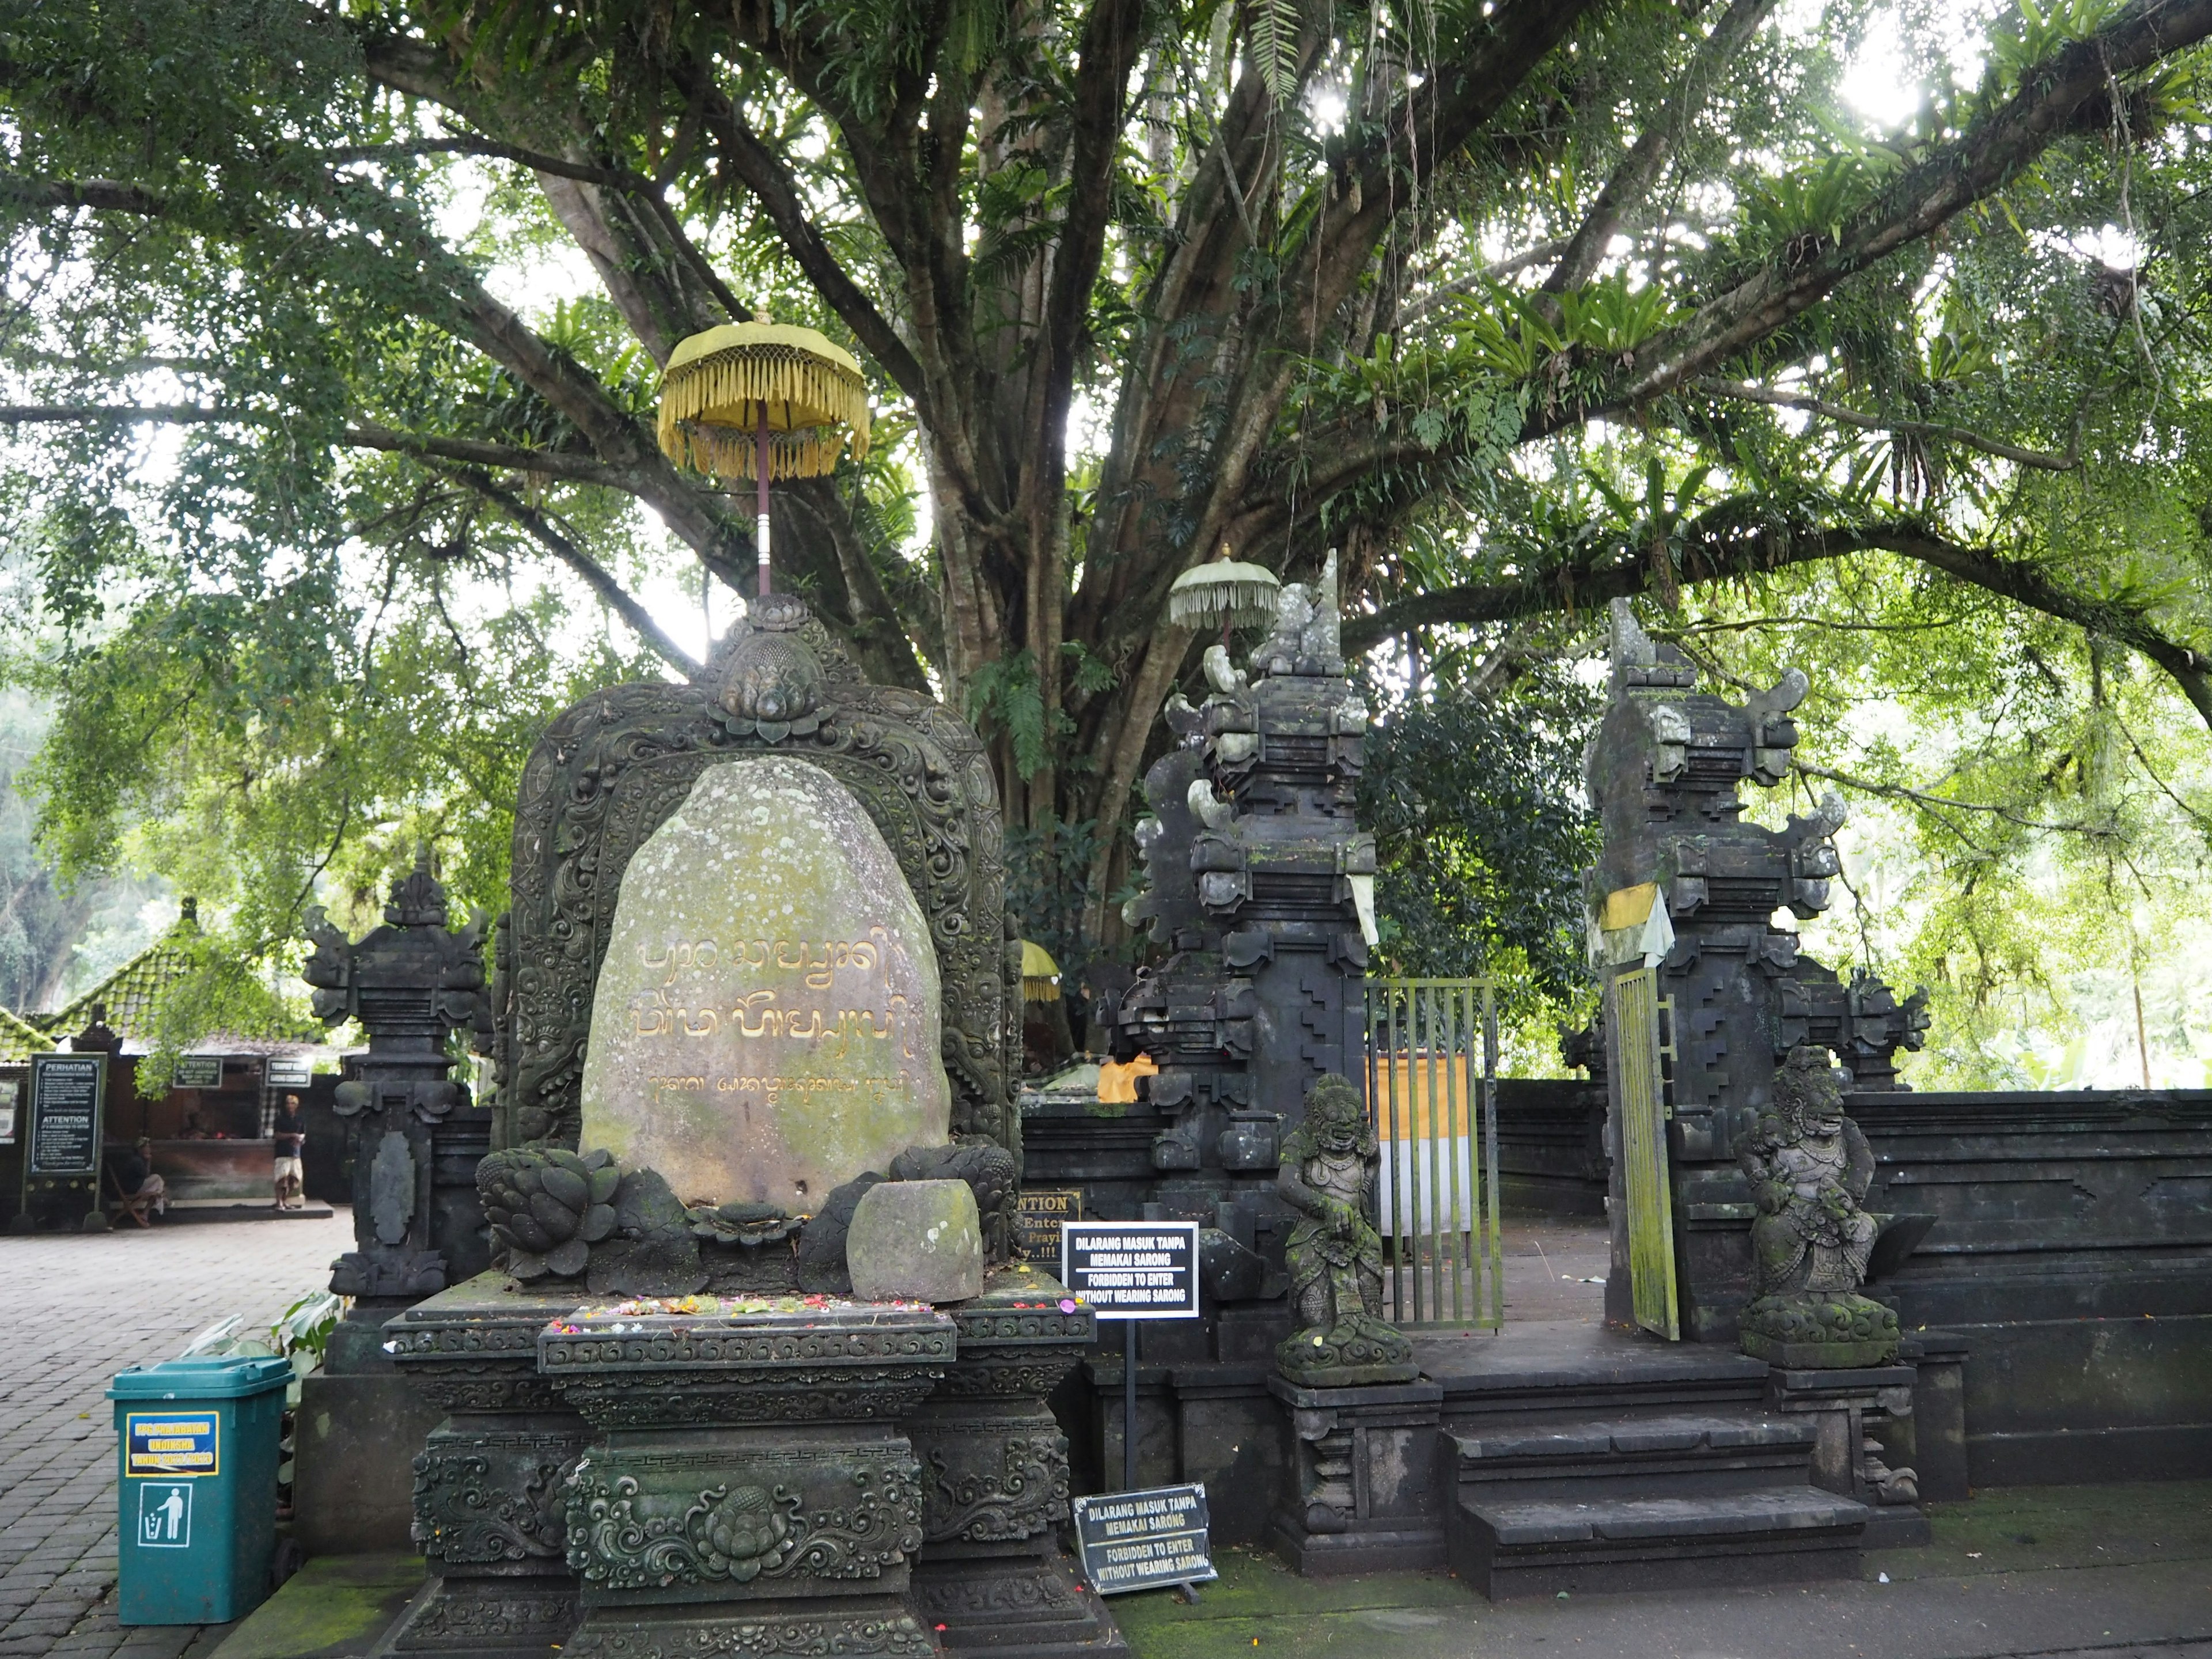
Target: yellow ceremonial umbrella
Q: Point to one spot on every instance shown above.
(760, 400)
(1227, 591)
(1040, 974)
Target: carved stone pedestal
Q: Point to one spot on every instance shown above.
(1361, 1496)
(1845, 1405)
(489, 1484)
(749, 1490)
(994, 1478)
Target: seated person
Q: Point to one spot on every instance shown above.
(193, 1129)
(139, 1190)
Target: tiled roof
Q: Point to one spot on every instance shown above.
(133, 993)
(20, 1039)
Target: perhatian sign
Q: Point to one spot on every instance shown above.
(67, 1093)
(1132, 1269)
(1134, 1541)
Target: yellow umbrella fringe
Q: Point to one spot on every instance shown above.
(818, 392)
(1240, 601)
(728, 453)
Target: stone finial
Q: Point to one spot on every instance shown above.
(772, 676)
(418, 898)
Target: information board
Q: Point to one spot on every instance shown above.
(1038, 1213)
(1132, 1269)
(291, 1073)
(198, 1072)
(1134, 1541)
(67, 1093)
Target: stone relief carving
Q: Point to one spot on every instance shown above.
(608, 772)
(743, 1532)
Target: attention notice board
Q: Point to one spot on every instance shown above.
(67, 1094)
(1134, 1541)
(1038, 1215)
(1131, 1269)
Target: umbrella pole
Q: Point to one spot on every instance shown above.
(760, 493)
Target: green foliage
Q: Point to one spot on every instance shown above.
(1481, 832)
(323, 612)
(1047, 870)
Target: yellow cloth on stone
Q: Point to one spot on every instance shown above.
(1117, 1084)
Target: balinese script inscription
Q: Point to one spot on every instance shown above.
(766, 1023)
(779, 1010)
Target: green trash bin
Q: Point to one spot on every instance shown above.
(196, 1465)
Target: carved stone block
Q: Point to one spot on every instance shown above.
(490, 1484)
(748, 1470)
(1358, 1498)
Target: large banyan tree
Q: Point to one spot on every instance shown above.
(1521, 305)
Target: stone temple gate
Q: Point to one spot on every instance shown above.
(749, 1021)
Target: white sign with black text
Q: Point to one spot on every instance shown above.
(1131, 1269)
(1132, 1540)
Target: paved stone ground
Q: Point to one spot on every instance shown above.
(84, 1307)
(2089, 1572)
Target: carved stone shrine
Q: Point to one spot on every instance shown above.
(1258, 884)
(609, 772)
(994, 1474)
(750, 1489)
(410, 984)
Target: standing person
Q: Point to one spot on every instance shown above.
(291, 1140)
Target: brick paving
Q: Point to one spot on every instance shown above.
(84, 1307)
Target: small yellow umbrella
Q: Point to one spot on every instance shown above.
(1227, 591)
(1040, 974)
(760, 400)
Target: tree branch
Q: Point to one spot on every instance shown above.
(1410, 314)
(763, 174)
(1945, 803)
(597, 577)
(2057, 97)
(168, 414)
(553, 463)
(2042, 460)
(1623, 570)
(100, 193)
(1638, 170)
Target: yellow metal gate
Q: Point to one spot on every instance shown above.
(1640, 1110)
(1434, 1106)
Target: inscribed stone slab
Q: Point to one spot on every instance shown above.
(766, 1022)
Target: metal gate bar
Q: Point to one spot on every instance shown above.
(1437, 1120)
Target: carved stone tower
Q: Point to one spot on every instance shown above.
(411, 983)
(1260, 883)
(1664, 770)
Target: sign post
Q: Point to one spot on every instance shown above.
(1131, 1270)
(1039, 1213)
(61, 1135)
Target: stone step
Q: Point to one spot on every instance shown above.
(1769, 1534)
(1484, 1447)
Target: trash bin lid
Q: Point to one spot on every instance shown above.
(202, 1379)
